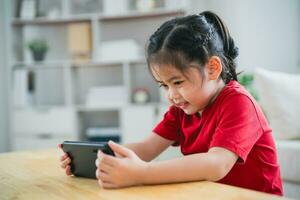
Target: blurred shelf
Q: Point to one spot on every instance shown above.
(70, 63)
(89, 108)
(64, 84)
(100, 17)
(100, 131)
(142, 15)
(103, 107)
(111, 106)
(40, 65)
(36, 107)
(108, 63)
(48, 21)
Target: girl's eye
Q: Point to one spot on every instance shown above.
(178, 83)
(163, 85)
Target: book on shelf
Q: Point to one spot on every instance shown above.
(80, 41)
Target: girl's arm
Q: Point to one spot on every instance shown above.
(150, 148)
(212, 166)
(129, 169)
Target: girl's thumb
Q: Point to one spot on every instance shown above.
(119, 149)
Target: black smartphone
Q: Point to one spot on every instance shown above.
(83, 156)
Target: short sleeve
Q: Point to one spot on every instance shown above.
(239, 127)
(169, 127)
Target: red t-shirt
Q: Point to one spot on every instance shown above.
(233, 121)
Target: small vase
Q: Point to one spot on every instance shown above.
(38, 56)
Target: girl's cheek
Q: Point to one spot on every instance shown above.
(170, 100)
(183, 92)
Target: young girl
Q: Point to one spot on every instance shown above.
(219, 127)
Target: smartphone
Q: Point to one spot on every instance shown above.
(83, 156)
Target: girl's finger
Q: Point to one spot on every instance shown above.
(104, 167)
(98, 161)
(68, 170)
(109, 160)
(120, 149)
(102, 176)
(63, 157)
(65, 163)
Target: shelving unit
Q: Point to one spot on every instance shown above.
(61, 85)
(91, 17)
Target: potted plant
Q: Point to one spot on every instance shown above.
(38, 48)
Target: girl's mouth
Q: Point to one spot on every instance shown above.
(182, 105)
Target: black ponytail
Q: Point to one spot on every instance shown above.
(194, 38)
(230, 50)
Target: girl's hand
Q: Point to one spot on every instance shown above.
(127, 169)
(65, 161)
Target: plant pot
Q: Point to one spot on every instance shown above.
(38, 55)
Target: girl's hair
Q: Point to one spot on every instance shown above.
(194, 38)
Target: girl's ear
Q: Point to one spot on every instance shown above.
(214, 68)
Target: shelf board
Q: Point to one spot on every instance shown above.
(34, 107)
(104, 107)
(65, 63)
(142, 15)
(47, 21)
(87, 108)
(41, 65)
(102, 17)
(108, 63)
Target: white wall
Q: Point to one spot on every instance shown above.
(266, 31)
(3, 82)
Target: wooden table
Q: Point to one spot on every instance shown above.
(37, 175)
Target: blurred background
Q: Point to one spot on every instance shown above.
(76, 70)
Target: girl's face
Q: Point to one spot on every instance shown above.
(190, 91)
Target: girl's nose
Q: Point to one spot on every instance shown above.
(173, 94)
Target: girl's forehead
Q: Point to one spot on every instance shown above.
(166, 73)
(161, 72)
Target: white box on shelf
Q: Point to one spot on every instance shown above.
(115, 7)
(119, 50)
(145, 5)
(106, 96)
(176, 4)
(57, 121)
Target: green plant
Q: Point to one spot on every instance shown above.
(38, 48)
(38, 45)
(247, 81)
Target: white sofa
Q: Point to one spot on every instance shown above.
(289, 159)
(279, 96)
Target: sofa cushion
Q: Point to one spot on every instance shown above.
(279, 96)
(288, 152)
